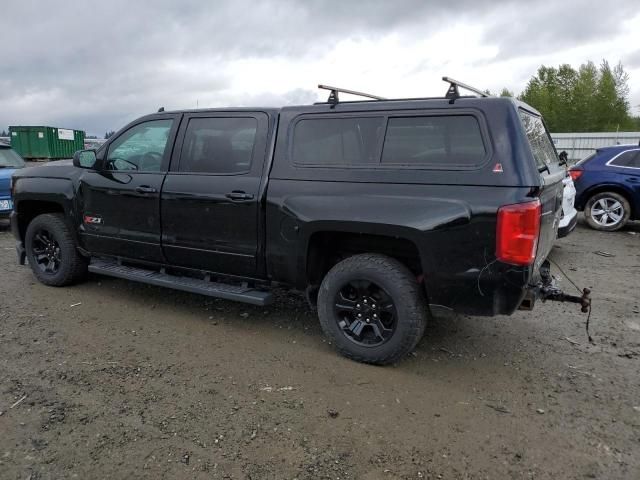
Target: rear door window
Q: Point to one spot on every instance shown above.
(542, 148)
(436, 141)
(218, 145)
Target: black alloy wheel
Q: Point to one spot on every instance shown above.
(52, 251)
(46, 251)
(372, 308)
(365, 313)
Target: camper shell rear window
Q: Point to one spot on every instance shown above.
(539, 139)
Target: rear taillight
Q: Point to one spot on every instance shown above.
(517, 232)
(575, 173)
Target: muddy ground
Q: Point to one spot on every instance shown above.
(122, 380)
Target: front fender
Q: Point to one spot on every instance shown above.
(35, 195)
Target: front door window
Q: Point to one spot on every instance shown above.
(141, 148)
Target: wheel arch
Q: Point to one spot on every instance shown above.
(36, 196)
(615, 188)
(326, 248)
(29, 209)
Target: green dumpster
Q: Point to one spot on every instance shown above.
(45, 143)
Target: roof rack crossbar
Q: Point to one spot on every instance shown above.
(453, 91)
(333, 95)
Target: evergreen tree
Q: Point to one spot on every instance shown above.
(588, 99)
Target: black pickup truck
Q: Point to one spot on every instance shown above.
(382, 211)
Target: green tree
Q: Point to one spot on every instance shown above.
(588, 99)
(585, 117)
(109, 134)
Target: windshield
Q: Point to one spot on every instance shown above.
(539, 139)
(10, 159)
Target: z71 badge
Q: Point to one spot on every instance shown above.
(92, 220)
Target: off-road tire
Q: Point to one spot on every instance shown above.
(399, 283)
(598, 196)
(73, 266)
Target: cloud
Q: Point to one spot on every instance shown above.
(531, 28)
(633, 59)
(96, 66)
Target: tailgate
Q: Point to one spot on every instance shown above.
(551, 202)
(552, 175)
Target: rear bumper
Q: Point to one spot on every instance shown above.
(495, 288)
(566, 227)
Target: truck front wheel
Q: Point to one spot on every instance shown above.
(51, 251)
(372, 308)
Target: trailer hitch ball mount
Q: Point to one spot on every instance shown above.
(550, 292)
(546, 289)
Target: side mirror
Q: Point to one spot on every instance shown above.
(564, 158)
(84, 159)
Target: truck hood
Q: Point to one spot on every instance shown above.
(57, 169)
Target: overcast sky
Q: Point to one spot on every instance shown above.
(98, 66)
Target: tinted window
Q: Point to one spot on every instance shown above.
(218, 145)
(539, 139)
(10, 159)
(141, 148)
(337, 141)
(453, 140)
(627, 159)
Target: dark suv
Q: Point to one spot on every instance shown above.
(382, 211)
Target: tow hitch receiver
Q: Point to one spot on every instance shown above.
(546, 289)
(549, 290)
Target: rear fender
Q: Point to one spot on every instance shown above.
(399, 217)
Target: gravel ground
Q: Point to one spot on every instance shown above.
(111, 379)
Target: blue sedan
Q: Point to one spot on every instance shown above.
(608, 186)
(9, 162)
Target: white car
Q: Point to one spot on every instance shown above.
(569, 218)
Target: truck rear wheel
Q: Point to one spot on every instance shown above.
(51, 251)
(372, 309)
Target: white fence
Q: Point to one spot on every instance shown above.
(581, 145)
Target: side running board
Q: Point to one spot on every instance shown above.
(193, 285)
